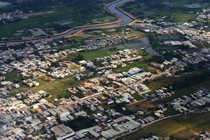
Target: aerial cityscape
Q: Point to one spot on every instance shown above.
(104, 69)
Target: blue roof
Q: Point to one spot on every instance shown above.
(134, 72)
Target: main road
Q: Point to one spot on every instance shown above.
(123, 18)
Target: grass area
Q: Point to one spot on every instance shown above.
(57, 88)
(12, 76)
(179, 13)
(181, 127)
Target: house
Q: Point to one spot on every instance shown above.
(16, 85)
(80, 113)
(62, 132)
(156, 65)
(134, 71)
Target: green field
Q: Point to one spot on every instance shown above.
(182, 127)
(179, 13)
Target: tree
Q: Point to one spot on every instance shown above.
(79, 57)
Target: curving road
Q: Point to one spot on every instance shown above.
(123, 19)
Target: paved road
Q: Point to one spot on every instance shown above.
(123, 19)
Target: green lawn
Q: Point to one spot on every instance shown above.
(181, 127)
